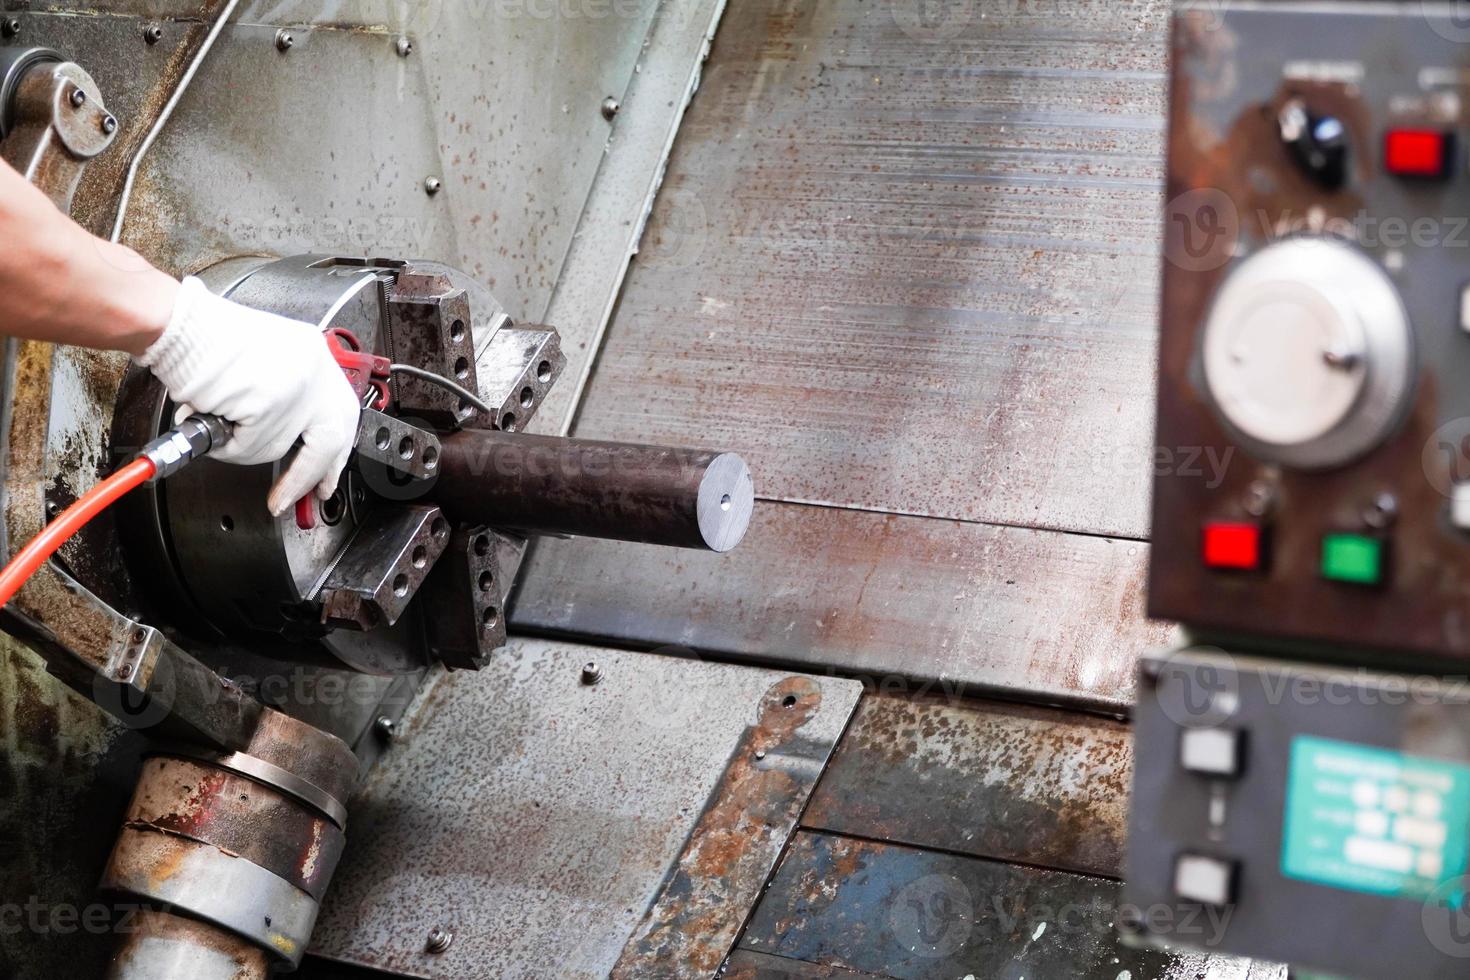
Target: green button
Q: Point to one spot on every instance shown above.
(1352, 558)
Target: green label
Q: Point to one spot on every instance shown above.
(1374, 820)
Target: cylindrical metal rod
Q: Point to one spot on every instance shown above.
(682, 498)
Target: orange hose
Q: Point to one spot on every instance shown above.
(73, 519)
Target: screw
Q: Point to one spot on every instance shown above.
(1382, 511)
(109, 124)
(1259, 499)
(610, 108)
(432, 185)
(284, 40)
(10, 27)
(78, 98)
(52, 508)
(385, 728)
(591, 673)
(403, 46)
(760, 754)
(153, 33)
(439, 940)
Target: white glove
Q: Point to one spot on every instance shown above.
(274, 378)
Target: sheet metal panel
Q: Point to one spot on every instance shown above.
(1059, 616)
(906, 260)
(1029, 785)
(547, 823)
(892, 911)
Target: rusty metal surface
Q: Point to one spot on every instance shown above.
(906, 259)
(1031, 785)
(1057, 616)
(892, 911)
(538, 818)
(736, 842)
(158, 943)
(746, 965)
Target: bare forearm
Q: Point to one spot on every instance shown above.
(62, 284)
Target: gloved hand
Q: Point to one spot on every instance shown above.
(274, 378)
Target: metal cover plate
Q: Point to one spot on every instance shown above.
(971, 606)
(525, 811)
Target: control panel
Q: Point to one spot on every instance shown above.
(1316, 329)
(1302, 768)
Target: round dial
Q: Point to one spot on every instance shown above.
(1308, 353)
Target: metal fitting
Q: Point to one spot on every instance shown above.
(153, 33)
(404, 47)
(432, 185)
(385, 728)
(591, 673)
(610, 108)
(9, 27)
(192, 438)
(109, 124)
(284, 40)
(78, 98)
(439, 940)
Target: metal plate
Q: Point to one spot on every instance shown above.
(535, 816)
(895, 912)
(906, 259)
(1031, 785)
(1056, 615)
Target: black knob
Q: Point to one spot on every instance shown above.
(1319, 144)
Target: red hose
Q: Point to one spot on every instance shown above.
(73, 519)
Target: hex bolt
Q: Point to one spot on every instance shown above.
(403, 46)
(610, 108)
(432, 185)
(109, 124)
(153, 33)
(439, 940)
(591, 673)
(10, 27)
(78, 98)
(385, 728)
(284, 40)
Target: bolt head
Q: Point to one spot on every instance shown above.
(109, 124)
(284, 40)
(9, 27)
(78, 98)
(432, 185)
(404, 47)
(439, 940)
(591, 673)
(610, 107)
(153, 33)
(385, 728)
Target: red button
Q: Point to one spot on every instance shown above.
(1417, 152)
(1231, 544)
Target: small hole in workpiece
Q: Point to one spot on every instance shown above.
(462, 368)
(383, 439)
(543, 372)
(439, 528)
(406, 447)
(400, 586)
(431, 457)
(789, 701)
(420, 556)
(482, 545)
(486, 581)
(491, 617)
(456, 331)
(508, 423)
(528, 395)
(334, 508)
(725, 502)
(227, 523)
